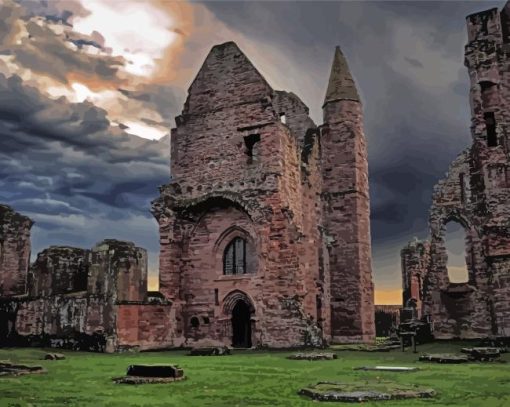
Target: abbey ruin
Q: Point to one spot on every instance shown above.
(265, 228)
(264, 232)
(476, 194)
(75, 298)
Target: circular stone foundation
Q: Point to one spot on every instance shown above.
(360, 392)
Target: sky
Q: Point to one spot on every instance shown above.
(89, 91)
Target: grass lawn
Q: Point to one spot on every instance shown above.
(247, 378)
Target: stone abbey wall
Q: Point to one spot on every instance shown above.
(475, 193)
(14, 251)
(77, 298)
(248, 162)
(415, 262)
(264, 231)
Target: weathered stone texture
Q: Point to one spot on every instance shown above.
(58, 270)
(387, 318)
(476, 194)
(264, 229)
(145, 326)
(118, 269)
(346, 212)
(14, 251)
(89, 299)
(415, 262)
(246, 163)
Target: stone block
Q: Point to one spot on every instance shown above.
(54, 356)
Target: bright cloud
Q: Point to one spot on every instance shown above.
(135, 30)
(142, 130)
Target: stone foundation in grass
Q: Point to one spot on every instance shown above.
(388, 368)
(158, 373)
(358, 393)
(366, 348)
(146, 380)
(444, 358)
(482, 354)
(54, 356)
(8, 368)
(210, 351)
(312, 356)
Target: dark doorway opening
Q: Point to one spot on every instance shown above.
(241, 325)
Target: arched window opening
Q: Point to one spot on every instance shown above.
(455, 245)
(234, 258)
(251, 143)
(194, 322)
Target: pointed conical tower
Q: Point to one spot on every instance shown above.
(347, 208)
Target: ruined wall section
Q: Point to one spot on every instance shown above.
(147, 325)
(210, 157)
(14, 251)
(205, 286)
(118, 271)
(230, 150)
(487, 58)
(294, 114)
(415, 258)
(476, 193)
(304, 187)
(315, 254)
(58, 270)
(387, 319)
(75, 296)
(458, 310)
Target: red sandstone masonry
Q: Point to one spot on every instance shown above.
(299, 202)
(347, 209)
(14, 251)
(144, 326)
(476, 194)
(271, 198)
(88, 292)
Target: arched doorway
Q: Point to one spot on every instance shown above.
(241, 325)
(239, 313)
(455, 246)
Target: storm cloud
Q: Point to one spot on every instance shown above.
(78, 177)
(73, 166)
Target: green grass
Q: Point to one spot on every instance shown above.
(245, 379)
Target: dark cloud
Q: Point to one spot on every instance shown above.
(26, 35)
(77, 176)
(166, 99)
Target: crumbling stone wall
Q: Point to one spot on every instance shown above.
(118, 271)
(246, 163)
(78, 299)
(14, 251)
(387, 318)
(476, 194)
(415, 264)
(58, 270)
